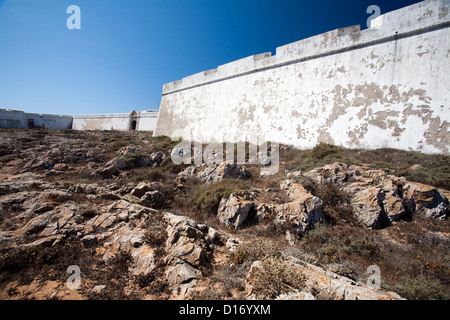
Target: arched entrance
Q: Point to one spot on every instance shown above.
(133, 121)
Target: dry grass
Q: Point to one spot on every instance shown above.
(273, 277)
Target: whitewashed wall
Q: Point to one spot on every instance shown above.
(15, 119)
(118, 121)
(145, 121)
(387, 86)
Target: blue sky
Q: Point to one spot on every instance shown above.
(127, 49)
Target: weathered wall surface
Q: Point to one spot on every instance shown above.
(14, 119)
(387, 86)
(143, 121)
(147, 120)
(117, 121)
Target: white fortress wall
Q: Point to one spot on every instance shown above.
(113, 121)
(147, 120)
(386, 86)
(15, 119)
(144, 121)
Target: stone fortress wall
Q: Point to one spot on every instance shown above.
(15, 119)
(142, 121)
(386, 86)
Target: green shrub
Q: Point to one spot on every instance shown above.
(133, 158)
(324, 149)
(163, 143)
(208, 197)
(438, 174)
(115, 145)
(421, 288)
(171, 167)
(320, 155)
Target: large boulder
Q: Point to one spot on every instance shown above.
(302, 212)
(128, 240)
(153, 199)
(322, 284)
(240, 208)
(379, 198)
(112, 167)
(368, 208)
(426, 199)
(189, 246)
(187, 241)
(210, 173)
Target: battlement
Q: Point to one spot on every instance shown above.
(381, 87)
(417, 18)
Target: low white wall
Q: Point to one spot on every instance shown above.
(15, 119)
(145, 121)
(118, 121)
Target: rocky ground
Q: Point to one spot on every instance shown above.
(137, 226)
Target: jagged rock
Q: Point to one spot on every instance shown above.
(296, 296)
(187, 241)
(45, 242)
(89, 241)
(154, 199)
(140, 189)
(233, 244)
(238, 209)
(379, 198)
(121, 241)
(182, 273)
(104, 220)
(189, 246)
(216, 172)
(426, 199)
(136, 241)
(327, 285)
(36, 225)
(126, 150)
(143, 259)
(156, 158)
(330, 173)
(302, 212)
(368, 208)
(322, 284)
(131, 210)
(113, 167)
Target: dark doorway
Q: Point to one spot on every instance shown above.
(30, 123)
(133, 125)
